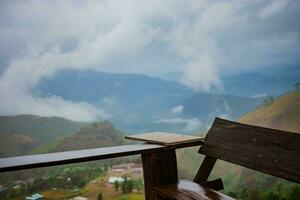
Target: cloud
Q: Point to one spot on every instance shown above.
(177, 109)
(199, 39)
(190, 124)
(272, 8)
(121, 37)
(51, 106)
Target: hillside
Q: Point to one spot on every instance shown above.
(12, 144)
(139, 96)
(147, 101)
(263, 82)
(243, 183)
(207, 106)
(94, 135)
(41, 129)
(283, 113)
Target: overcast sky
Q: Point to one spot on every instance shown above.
(199, 40)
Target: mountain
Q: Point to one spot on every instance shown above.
(283, 113)
(207, 106)
(272, 81)
(242, 183)
(40, 129)
(133, 90)
(139, 96)
(147, 101)
(12, 144)
(28, 134)
(93, 135)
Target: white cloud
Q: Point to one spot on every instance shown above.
(277, 43)
(273, 8)
(98, 41)
(190, 124)
(51, 106)
(177, 109)
(207, 38)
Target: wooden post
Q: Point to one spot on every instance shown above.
(160, 168)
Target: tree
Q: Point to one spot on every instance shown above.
(100, 196)
(127, 185)
(297, 86)
(138, 185)
(268, 100)
(272, 196)
(116, 185)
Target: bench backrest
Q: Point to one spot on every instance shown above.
(266, 150)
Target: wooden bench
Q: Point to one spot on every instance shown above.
(265, 150)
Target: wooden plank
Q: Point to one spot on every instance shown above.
(68, 157)
(166, 139)
(159, 168)
(205, 169)
(266, 150)
(214, 184)
(187, 190)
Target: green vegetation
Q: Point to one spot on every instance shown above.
(283, 113)
(100, 196)
(69, 181)
(127, 185)
(93, 135)
(64, 178)
(243, 183)
(48, 147)
(297, 86)
(12, 144)
(20, 134)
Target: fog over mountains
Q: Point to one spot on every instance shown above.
(138, 103)
(207, 44)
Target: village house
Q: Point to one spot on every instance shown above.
(116, 173)
(36, 196)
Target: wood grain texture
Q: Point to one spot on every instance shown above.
(205, 169)
(214, 184)
(266, 150)
(69, 157)
(187, 190)
(166, 139)
(160, 168)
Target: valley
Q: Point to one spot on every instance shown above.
(187, 112)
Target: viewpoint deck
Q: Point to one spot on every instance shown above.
(68, 157)
(165, 139)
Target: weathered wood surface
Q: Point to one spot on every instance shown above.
(214, 184)
(166, 139)
(205, 169)
(68, 157)
(266, 150)
(187, 190)
(160, 168)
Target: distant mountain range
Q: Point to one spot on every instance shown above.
(93, 135)
(147, 101)
(40, 129)
(21, 134)
(74, 136)
(140, 103)
(272, 81)
(13, 144)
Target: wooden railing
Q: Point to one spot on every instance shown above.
(270, 151)
(159, 161)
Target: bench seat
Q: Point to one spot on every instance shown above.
(188, 190)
